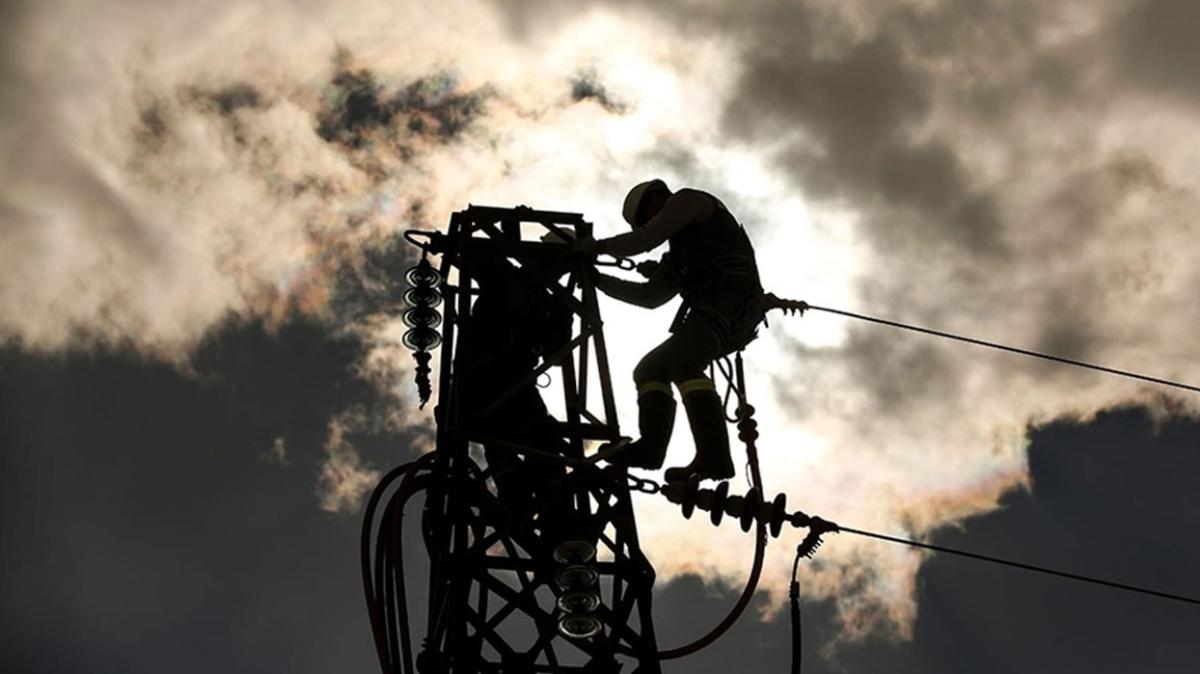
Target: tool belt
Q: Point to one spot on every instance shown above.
(730, 303)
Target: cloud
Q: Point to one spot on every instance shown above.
(1005, 170)
(431, 107)
(586, 85)
(1156, 51)
(999, 171)
(169, 521)
(158, 477)
(343, 480)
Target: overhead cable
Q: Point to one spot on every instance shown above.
(801, 306)
(1021, 565)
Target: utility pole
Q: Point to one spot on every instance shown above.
(535, 564)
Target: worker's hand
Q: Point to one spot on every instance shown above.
(647, 268)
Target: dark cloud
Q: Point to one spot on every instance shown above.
(902, 373)
(14, 16)
(995, 50)
(262, 369)
(156, 114)
(586, 86)
(435, 107)
(233, 97)
(1077, 213)
(881, 118)
(152, 129)
(1158, 49)
(852, 115)
(225, 102)
(867, 117)
(1110, 499)
(1069, 337)
(848, 113)
(1083, 199)
(374, 284)
(145, 531)
(354, 108)
(357, 107)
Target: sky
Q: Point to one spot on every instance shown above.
(201, 372)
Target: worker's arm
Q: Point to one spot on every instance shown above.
(662, 286)
(681, 208)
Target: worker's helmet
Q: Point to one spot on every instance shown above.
(637, 196)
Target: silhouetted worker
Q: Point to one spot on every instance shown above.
(711, 264)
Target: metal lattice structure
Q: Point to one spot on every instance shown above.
(524, 543)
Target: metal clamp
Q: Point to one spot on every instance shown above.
(433, 243)
(643, 485)
(622, 263)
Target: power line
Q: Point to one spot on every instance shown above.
(1004, 347)
(794, 305)
(1021, 565)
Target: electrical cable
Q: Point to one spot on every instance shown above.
(793, 591)
(390, 603)
(386, 575)
(1021, 565)
(1004, 347)
(389, 611)
(731, 387)
(395, 569)
(727, 371)
(794, 599)
(370, 582)
(748, 435)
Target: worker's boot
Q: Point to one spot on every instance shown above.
(706, 416)
(656, 420)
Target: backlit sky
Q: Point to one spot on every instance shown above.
(198, 202)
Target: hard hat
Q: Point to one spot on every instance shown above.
(633, 200)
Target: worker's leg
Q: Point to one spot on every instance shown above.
(706, 416)
(696, 345)
(681, 360)
(656, 411)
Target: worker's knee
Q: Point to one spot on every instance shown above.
(696, 383)
(654, 388)
(650, 369)
(679, 373)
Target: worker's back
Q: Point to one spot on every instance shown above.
(719, 274)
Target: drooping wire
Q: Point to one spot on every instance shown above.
(749, 435)
(373, 577)
(1004, 347)
(794, 598)
(384, 579)
(1021, 565)
(732, 386)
